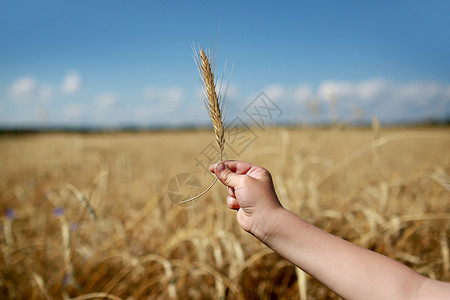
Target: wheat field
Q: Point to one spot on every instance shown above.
(87, 216)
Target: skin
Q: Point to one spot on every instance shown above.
(350, 271)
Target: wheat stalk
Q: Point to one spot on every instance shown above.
(213, 103)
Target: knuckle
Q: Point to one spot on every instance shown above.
(226, 177)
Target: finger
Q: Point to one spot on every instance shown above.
(231, 191)
(238, 167)
(212, 167)
(232, 203)
(225, 175)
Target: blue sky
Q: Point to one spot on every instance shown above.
(113, 63)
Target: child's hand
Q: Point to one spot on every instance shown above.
(350, 271)
(251, 193)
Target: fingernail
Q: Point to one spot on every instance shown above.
(220, 167)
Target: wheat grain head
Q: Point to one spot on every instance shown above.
(213, 103)
(212, 100)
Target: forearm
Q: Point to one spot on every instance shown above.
(349, 270)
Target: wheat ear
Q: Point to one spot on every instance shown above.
(213, 106)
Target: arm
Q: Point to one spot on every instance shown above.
(349, 270)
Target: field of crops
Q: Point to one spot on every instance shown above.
(88, 216)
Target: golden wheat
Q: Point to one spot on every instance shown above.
(141, 246)
(213, 103)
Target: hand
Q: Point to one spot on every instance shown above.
(251, 193)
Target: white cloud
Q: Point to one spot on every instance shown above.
(275, 91)
(106, 100)
(170, 94)
(369, 89)
(74, 111)
(376, 88)
(71, 83)
(163, 100)
(303, 92)
(173, 95)
(330, 89)
(363, 91)
(45, 92)
(446, 91)
(26, 89)
(300, 93)
(419, 91)
(376, 96)
(23, 88)
(232, 91)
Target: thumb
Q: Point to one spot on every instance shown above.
(225, 175)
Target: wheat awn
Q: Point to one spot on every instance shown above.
(213, 103)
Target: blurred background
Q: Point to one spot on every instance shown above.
(114, 64)
(90, 214)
